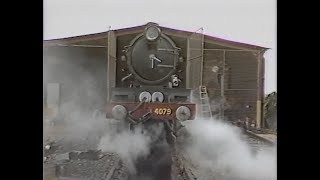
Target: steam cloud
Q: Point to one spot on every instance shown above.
(218, 146)
(83, 92)
(214, 145)
(131, 145)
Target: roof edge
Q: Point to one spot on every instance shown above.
(98, 35)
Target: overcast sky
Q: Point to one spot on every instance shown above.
(247, 21)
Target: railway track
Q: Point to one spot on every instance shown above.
(70, 158)
(118, 172)
(190, 171)
(256, 142)
(110, 167)
(187, 170)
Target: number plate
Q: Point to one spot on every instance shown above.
(162, 111)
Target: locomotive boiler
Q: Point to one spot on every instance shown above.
(151, 86)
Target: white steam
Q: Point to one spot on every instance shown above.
(218, 146)
(131, 145)
(82, 91)
(214, 145)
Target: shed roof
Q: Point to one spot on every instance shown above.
(137, 29)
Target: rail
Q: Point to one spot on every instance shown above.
(256, 136)
(117, 172)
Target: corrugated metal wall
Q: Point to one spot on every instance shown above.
(220, 64)
(241, 90)
(238, 72)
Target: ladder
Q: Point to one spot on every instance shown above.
(205, 103)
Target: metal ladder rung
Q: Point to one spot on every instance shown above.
(205, 109)
(205, 103)
(203, 89)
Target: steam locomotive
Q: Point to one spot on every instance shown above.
(151, 89)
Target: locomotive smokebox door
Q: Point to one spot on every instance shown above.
(152, 56)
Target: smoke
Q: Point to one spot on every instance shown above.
(219, 147)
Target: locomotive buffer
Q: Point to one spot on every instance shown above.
(204, 103)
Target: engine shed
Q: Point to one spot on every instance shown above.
(232, 72)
